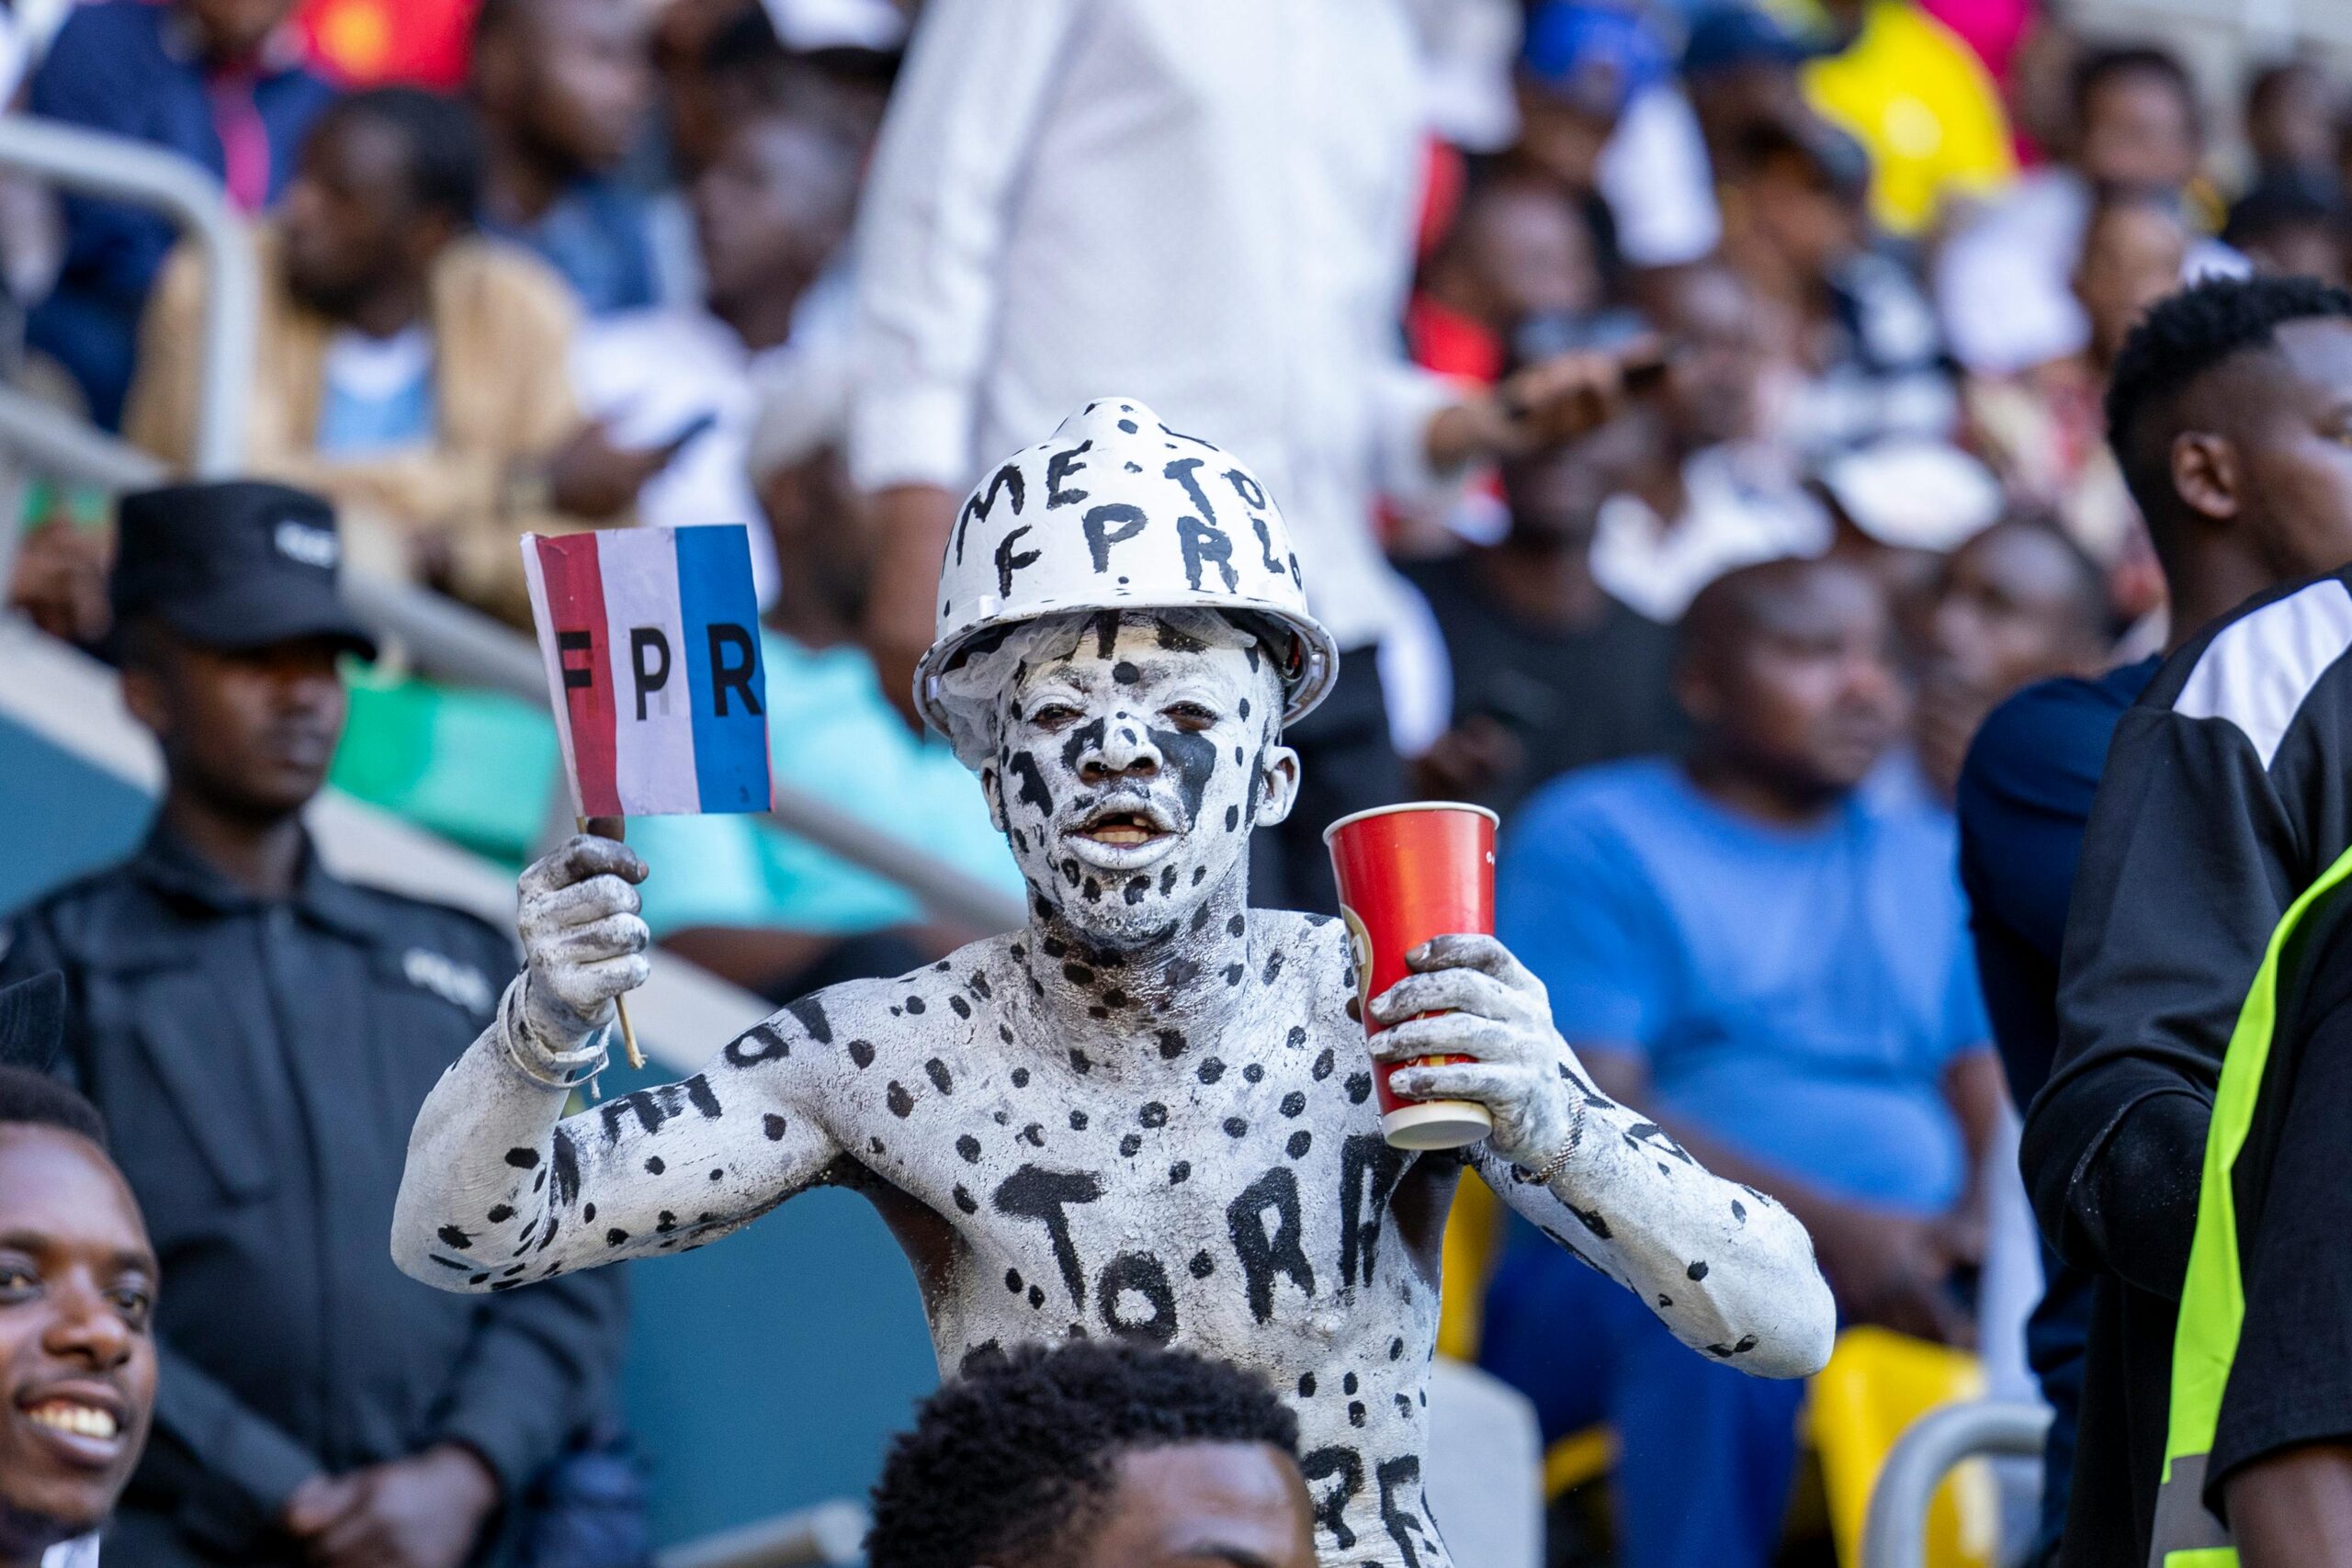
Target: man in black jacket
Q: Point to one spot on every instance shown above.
(259, 1035)
(2227, 790)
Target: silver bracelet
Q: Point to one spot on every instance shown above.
(572, 1068)
(1559, 1162)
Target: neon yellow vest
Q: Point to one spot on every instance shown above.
(2212, 1297)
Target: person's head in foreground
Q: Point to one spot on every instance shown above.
(1122, 635)
(1787, 673)
(230, 627)
(77, 1298)
(2230, 410)
(1095, 1454)
(388, 179)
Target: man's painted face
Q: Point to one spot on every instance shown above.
(1133, 761)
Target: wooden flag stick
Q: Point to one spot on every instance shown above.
(620, 1004)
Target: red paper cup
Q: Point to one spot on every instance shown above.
(1408, 874)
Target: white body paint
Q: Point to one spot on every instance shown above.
(1149, 1112)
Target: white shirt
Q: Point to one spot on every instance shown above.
(1205, 204)
(1730, 519)
(653, 373)
(81, 1551)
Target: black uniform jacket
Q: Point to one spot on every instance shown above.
(260, 1066)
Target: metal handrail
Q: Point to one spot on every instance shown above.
(136, 172)
(1894, 1534)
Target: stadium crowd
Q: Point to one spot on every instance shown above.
(1782, 457)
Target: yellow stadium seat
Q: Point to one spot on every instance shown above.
(1876, 1384)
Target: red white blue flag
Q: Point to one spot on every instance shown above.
(651, 637)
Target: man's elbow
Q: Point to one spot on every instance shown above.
(1804, 1318)
(420, 1251)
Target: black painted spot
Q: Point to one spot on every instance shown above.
(1306, 1385)
(1013, 1281)
(762, 1042)
(615, 1237)
(522, 1159)
(1077, 973)
(862, 1053)
(1296, 1037)
(962, 1007)
(1300, 1141)
(936, 1070)
(1232, 818)
(1131, 1144)
(773, 1125)
(1324, 1063)
(1253, 1072)
(1171, 1044)
(965, 1200)
(1233, 974)
(1079, 1061)
(1359, 1088)
(1235, 1127)
(452, 1237)
(1294, 1102)
(1396, 1349)
(1135, 888)
(1273, 966)
(1355, 1413)
(1697, 1270)
(901, 1103)
(1203, 1265)
(654, 1167)
(1020, 1078)
(1078, 1120)
(1349, 1384)
(1180, 973)
(1211, 1071)
(1179, 1173)
(1034, 1134)
(1036, 1296)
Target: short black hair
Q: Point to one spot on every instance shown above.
(28, 1099)
(2184, 337)
(2280, 203)
(445, 152)
(2100, 66)
(1008, 1462)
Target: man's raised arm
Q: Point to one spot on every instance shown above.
(501, 1188)
(1729, 1270)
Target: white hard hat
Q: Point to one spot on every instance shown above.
(1118, 512)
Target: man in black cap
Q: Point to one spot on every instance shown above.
(259, 1034)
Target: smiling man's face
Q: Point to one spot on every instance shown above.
(1131, 764)
(77, 1351)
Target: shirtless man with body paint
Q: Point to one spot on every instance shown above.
(1150, 1110)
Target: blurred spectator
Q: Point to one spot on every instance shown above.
(1919, 101)
(2044, 431)
(769, 212)
(77, 1348)
(1600, 118)
(563, 85)
(2002, 282)
(2218, 800)
(2018, 603)
(260, 1034)
(1514, 280)
(1548, 671)
(1699, 495)
(1868, 361)
(1109, 216)
(375, 43)
(2291, 225)
(2291, 109)
(1774, 959)
(221, 82)
(407, 368)
(1096, 1454)
(1739, 66)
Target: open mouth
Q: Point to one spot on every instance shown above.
(1123, 835)
(82, 1429)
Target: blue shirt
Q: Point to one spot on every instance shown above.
(1795, 993)
(123, 66)
(2025, 793)
(598, 234)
